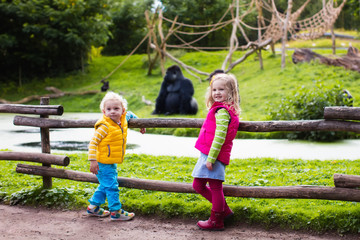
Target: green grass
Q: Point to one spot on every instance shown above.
(304, 214)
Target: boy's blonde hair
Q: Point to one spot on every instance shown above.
(233, 99)
(113, 96)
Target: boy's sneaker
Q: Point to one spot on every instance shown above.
(121, 215)
(97, 212)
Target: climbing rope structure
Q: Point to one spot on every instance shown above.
(268, 31)
(309, 28)
(315, 26)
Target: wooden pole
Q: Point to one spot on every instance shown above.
(36, 157)
(285, 31)
(162, 45)
(233, 39)
(151, 27)
(300, 192)
(259, 21)
(246, 126)
(346, 181)
(333, 40)
(346, 113)
(45, 142)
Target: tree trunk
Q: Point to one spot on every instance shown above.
(351, 61)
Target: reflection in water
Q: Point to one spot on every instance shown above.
(32, 130)
(69, 145)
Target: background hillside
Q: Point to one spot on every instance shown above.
(260, 90)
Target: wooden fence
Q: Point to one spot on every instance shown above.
(335, 119)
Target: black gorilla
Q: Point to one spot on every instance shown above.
(214, 73)
(105, 85)
(176, 94)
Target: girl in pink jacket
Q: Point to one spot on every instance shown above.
(215, 142)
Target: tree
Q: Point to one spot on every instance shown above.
(44, 37)
(128, 28)
(349, 17)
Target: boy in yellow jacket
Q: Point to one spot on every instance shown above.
(107, 149)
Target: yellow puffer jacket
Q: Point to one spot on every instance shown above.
(112, 148)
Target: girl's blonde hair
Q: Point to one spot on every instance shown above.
(233, 99)
(113, 96)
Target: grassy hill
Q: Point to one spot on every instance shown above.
(258, 88)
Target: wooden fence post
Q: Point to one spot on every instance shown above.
(45, 142)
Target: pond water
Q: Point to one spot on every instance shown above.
(27, 139)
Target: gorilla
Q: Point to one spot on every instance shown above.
(105, 85)
(214, 73)
(176, 94)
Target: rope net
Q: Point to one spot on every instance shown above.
(317, 25)
(309, 28)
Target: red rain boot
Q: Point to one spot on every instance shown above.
(228, 213)
(215, 222)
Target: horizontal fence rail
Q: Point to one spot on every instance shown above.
(36, 157)
(32, 109)
(347, 113)
(300, 192)
(346, 181)
(247, 126)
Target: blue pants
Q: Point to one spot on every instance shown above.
(108, 187)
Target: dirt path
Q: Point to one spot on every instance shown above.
(18, 222)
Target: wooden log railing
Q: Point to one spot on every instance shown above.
(44, 110)
(32, 109)
(247, 126)
(36, 157)
(346, 181)
(349, 113)
(300, 192)
(334, 121)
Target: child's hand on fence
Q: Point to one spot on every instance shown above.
(94, 167)
(143, 130)
(209, 166)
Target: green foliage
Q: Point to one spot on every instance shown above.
(42, 37)
(349, 17)
(128, 27)
(298, 214)
(55, 197)
(307, 103)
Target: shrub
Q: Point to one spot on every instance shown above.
(308, 104)
(55, 197)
